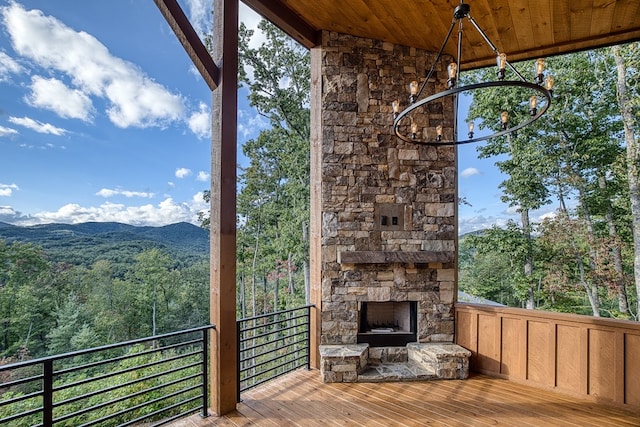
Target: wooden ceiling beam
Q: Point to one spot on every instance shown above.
(190, 40)
(287, 20)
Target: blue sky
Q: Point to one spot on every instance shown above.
(104, 118)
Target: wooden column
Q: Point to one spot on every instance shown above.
(223, 209)
(315, 241)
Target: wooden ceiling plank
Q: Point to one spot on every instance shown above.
(502, 14)
(555, 26)
(412, 26)
(482, 14)
(561, 22)
(439, 15)
(602, 16)
(367, 21)
(627, 12)
(521, 17)
(541, 23)
(580, 18)
(287, 20)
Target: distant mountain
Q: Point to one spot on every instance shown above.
(87, 242)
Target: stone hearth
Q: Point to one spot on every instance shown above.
(415, 362)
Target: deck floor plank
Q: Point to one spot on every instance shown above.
(301, 399)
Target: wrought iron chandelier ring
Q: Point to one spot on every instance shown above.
(542, 86)
(406, 113)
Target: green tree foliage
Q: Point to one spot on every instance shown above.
(274, 187)
(273, 197)
(578, 261)
(52, 308)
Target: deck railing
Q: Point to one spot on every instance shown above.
(151, 380)
(271, 345)
(590, 357)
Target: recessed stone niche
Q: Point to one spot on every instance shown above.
(387, 228)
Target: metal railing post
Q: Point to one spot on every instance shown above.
(238, 351)
(205, 376)
(308, 338)
(47, 393)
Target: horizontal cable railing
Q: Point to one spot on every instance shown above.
(151, 380)
(271, 345)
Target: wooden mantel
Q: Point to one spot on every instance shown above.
(388, 257)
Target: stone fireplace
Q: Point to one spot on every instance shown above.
(384, 210)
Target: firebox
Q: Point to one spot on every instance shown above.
(386, 324)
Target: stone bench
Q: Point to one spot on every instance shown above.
(449, 361)
(342, 363)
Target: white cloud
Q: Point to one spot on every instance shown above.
(183, 172)
(203, 176)
(513, 210)
(7, 131)
(54, 95)
(250, 123)
(199, 12)
(164, 213)
(105, 192)
(37, 126)
(251, 20)
(134, 98)
(479, 222)
(6, 190)
(8, 66)
(200, 122)
(469, 172)
(171, 184)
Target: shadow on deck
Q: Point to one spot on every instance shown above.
(301, 399)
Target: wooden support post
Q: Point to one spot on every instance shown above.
(315, 241)
(224, 126)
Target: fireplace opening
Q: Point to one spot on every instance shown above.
(391, 323)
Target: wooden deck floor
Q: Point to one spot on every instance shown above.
(301, 399)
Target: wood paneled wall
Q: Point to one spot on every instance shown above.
(584, 356)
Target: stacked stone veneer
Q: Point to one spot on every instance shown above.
(364, 166)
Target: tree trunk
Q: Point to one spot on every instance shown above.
(594, 298)
(633, 157)
(306, 267)
(616, 255)
(528, 262)
(276, 287)
(292, 289)
(243, 302)
(265, 300)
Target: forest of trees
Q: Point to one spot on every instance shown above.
(583, 156)
(54, 307)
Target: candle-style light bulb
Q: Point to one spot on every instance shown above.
(501, 60)
(548, 83)
(539, 70)
(504, 118)
(452, 70)
(533, 104)
(471, 126)
(439, 133)
(414, 130)
(395, 105)
(413, 91)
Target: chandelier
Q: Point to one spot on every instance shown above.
(406, 125)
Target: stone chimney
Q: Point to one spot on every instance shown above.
(385, 210)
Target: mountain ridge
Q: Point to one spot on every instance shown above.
(84, 243)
